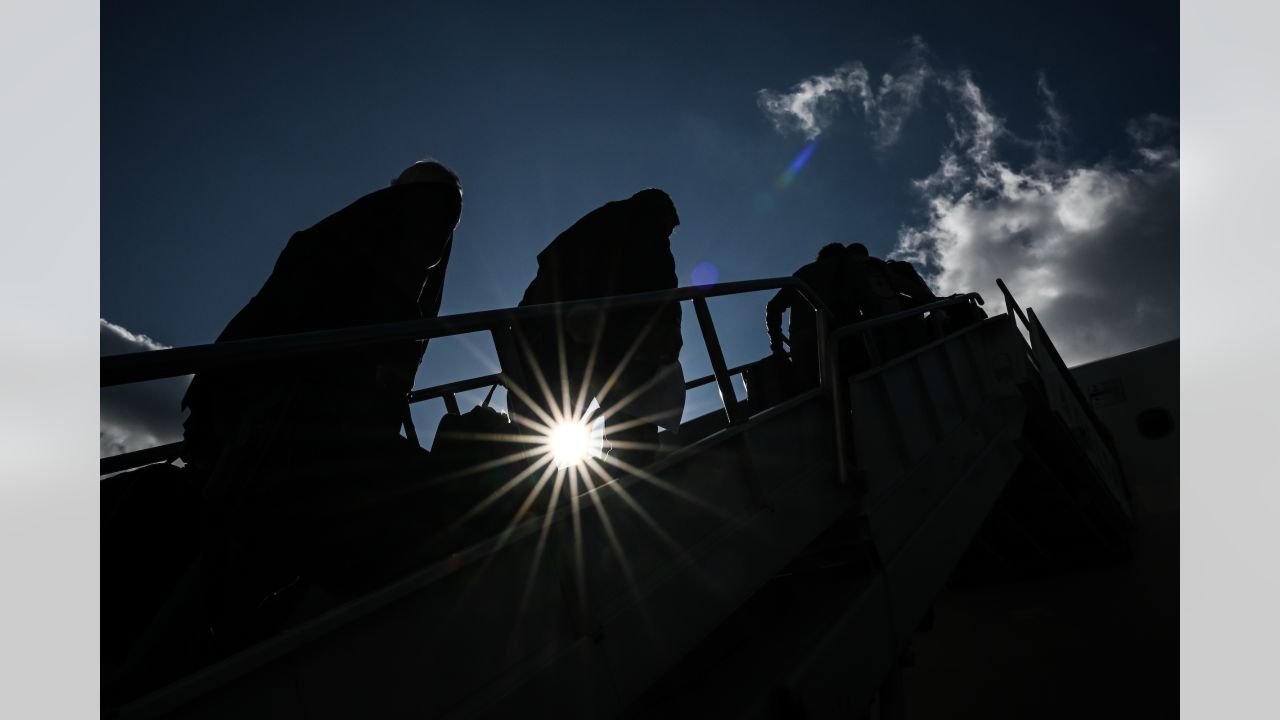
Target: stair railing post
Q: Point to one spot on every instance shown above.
(837, 390)
(718, 366)
(1011, 304)
(512, 365)
(451, 404)
(822, 325)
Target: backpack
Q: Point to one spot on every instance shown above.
(769, 381)
(873, 288)
(480, 435)
(962, 316)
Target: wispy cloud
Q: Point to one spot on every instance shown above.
(1053, 129)
(1093, 247)
(139, 415)
(812, 104)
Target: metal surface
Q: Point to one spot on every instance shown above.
(446, 392)
(635, 607)
(155, 364)
(138, 458)
(708, 379)
(1010, 303)
(173, 362)
(725, 545)
(1069, 403)
(1081, 414)
(448, 389)
(837, 393)
(581, 612)
(718, 368)
(839, 634)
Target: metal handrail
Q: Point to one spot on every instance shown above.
(137, 458)
(1012, 304)
(484, 381)
(837, 393)
(171, 451)
(435, 391)
(708, 379)
(1037, 332)
(447, 391)
(173, 362)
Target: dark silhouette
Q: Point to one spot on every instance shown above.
(149, 540)
(877, 289)
(907, 290)
(620, 248)
(380, 259)
(883, 288)
(304, 461)
(828, 277)
(909, 284)
(464, 442)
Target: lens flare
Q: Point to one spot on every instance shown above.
(704, 273)
(789, 175)
(570, 443)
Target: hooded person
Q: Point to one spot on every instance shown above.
(620, 248)
(380, 259)
(300, 456)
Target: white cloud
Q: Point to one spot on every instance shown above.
(138, 415)
(1092, 247)
(811, 104)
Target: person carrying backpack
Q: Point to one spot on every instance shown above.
(620, 248)
(302, 462)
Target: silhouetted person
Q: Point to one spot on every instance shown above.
(620, 248)
(292, 449)
(957, 317)
(883, 288)
(912, 291)
(380, 259)
(909, 284)
(826, 276)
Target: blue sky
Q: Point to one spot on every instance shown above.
(226, 127)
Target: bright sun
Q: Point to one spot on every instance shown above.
(570, 443)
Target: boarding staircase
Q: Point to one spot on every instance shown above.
(774, 562)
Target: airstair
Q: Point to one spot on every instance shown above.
(774, 562)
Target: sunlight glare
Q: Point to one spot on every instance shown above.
(570, 443)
